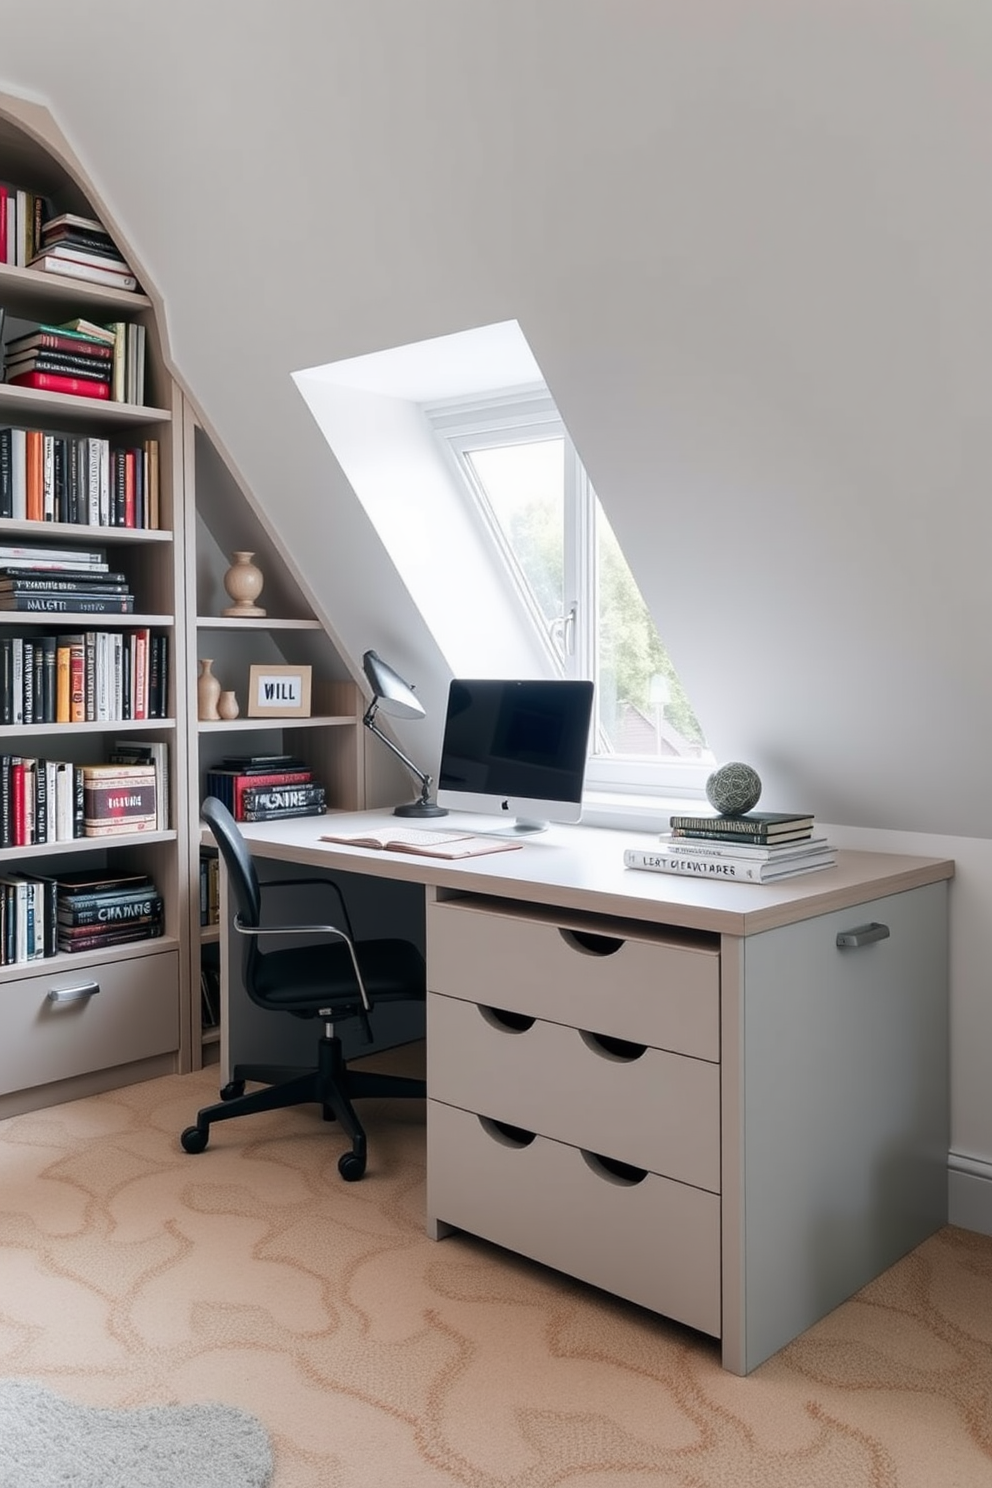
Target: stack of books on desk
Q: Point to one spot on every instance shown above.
(759, 847)
(266, 787)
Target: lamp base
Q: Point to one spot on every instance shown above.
(421, 808)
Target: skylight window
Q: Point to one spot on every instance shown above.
(530, 579)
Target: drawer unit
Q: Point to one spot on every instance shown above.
(645, 1106)
(58, 1024)
(640, 985)
(653, 1241)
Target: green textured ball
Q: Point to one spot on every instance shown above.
(733, 789)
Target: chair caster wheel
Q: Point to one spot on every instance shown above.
(194, 1140)
(232, 1090)
(351, 1167)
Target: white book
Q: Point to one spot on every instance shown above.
(18, 678)
(19, 474)
(48, 264)
(726, 870)
(702, 847)
(64, 800)
(51, 786)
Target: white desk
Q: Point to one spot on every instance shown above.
(683, 1092)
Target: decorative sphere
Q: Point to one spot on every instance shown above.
(733, 789)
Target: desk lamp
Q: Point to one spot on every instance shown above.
(396, 697)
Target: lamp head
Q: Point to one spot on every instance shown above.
(395, 697)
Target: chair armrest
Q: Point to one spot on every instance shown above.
(257, 930)
(320, 883)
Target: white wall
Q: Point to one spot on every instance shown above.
(749, 246)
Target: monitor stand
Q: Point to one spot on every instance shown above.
(521, 826)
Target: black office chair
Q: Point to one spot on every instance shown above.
(343, 979)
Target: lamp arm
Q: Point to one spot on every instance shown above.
(426, 781)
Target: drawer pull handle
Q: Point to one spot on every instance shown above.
(591, 944)
(863, 935)
(505, 1134)
(622, 1050)
(624, 1175)
(506, 1021)
(63, 995)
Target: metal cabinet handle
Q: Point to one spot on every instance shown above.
(73, 994)
(863, 935)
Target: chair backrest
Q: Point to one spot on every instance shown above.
(240, 865)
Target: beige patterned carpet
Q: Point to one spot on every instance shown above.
(133, 1274)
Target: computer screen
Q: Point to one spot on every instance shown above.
(516, 750)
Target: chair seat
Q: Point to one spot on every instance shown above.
(306, 978)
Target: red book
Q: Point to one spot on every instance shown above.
(3, 224)
(52, 382)
(129, 507)
(34, 508)
(19, 814)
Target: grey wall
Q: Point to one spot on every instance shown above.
(750, 246)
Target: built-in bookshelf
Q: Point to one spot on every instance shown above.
(329, 739)
(76, 1022)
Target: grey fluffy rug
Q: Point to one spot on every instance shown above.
(48, 1442)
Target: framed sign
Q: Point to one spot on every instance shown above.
(279, 692)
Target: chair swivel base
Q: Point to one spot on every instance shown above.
(331, 1085)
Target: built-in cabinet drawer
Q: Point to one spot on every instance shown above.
(644, 986)
(641, 1236)
(640, 1105)
(58, 1024)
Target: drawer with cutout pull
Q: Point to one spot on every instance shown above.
(636, 985)
(635, 1234)
(641, 1105)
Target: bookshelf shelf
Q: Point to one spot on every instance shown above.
(228, 622)
(76, 619)
(23, 403)
(100, 536)
(83, 844)
(28, 293)
(86, 960)
(65, 731)
(254, 725)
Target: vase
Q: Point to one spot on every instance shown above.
(227, 705)
(208, 692)
(243, 582)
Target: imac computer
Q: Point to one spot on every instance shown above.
(516, 750)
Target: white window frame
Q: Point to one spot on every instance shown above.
(520, 415)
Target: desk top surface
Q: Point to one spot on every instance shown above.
(582, 869)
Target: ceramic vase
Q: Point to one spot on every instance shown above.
(227, 705)
(208, 692)
(243, 582)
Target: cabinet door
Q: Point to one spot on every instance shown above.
(844, 1104)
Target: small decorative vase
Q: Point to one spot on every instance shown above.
(243, 582)
(227, 705)
(208, 691)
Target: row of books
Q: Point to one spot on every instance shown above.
(81, 358)
(22, 214)
(44, 916)
(92, 676)
(77, 247)
(78, 478)
(755, 847)
(264, 787)
(45, 800)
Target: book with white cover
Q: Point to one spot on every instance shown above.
(701, 847)
(726, 870)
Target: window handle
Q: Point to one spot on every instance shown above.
(562, 630)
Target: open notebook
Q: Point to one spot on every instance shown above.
(426, 844)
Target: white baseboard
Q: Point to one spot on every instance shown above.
(969, 1192)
